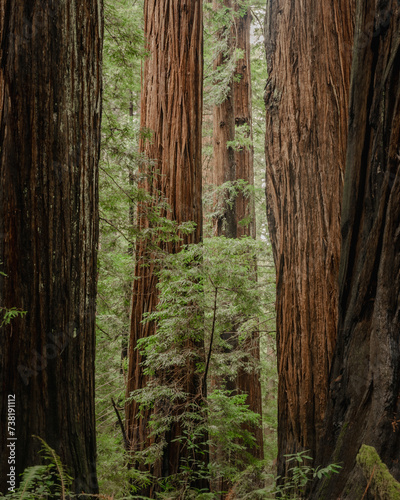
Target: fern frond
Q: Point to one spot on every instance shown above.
(55, 460)
(30, 475)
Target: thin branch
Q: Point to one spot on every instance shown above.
(211, 343)
(369, 482)
(117, 229)
(118, 186)
(126, 442)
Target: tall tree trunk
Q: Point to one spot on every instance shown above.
(364, 403)
(172, 111)
(50, 98)
(306, 102)
(232, 164)
(247, 382)
(224, 132)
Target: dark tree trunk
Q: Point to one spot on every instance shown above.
(364, 403)
(50, 98)
(308, 46)
(172, 110)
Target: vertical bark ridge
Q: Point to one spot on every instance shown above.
(364, 385)
(306, 101)
(172, 111)
(50, 94)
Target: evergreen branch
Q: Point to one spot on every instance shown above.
(117, 229)
(118, 186)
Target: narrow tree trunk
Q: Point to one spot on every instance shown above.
(172, 111)
(233, 164)
(364, 404)
(247, 382)
(224, 132)
(245, 211)
(308, 47)
(50, 82)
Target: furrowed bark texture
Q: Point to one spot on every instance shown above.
(244, 169)
(364, 403)
(172, 110)
(223, 132)
(235, 164)
(50, 98)
(308, 47)
(247, 382)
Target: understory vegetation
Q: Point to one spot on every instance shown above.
(213, 294)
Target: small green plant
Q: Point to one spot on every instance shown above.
(42, 481)
(300, 475)
(10, 314)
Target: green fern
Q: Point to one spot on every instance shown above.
(55, 462)
(30, 477)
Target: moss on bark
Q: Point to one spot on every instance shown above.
(381, 483)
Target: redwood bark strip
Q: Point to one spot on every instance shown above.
(364, 404)
(244, 168)
(308, 47)
(231, 165)
(247, 382)
(172, 110)
(223, 132)
(50, 98)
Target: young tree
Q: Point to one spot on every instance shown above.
(171, 111)
(364, 399)
(50, 98)
(306, 103)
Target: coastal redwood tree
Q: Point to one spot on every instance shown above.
(50, 101)
(364, 403)
(233, 162)
(248, 381)
(171, 110)
(306, 131)
(223, 133)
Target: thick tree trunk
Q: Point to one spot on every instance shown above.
(50, 97)
(308, 46)
(364, 403)
(172, 111)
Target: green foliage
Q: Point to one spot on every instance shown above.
(119, 194)
(189, 282)
(10, 314)
(43, 481)
(204, 301)
(301, 474)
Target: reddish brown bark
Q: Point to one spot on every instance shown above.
(364, 403)
(172, 111)
(50, 96)
(232, 164)
(308, 47)
(224, 168)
